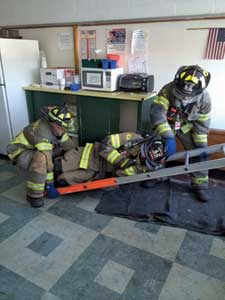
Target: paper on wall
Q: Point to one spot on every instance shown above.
(139, 42)
(116, 39)
(87, 43)
(137, 64)
(65, 40)
(137, 60)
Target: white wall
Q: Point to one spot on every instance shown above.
(170, 46)
(23, 12)
(48, 41)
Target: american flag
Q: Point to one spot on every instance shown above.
(215, 48)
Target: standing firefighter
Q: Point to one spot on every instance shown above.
(122, 154)
(182, 108)
(33, 150)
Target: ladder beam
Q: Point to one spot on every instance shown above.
(160, 173)
(172, 171)
(196, 152)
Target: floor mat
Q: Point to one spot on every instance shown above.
(170, 202)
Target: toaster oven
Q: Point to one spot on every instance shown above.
(136, 82)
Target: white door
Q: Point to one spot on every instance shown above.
(20, 61)
(5, 124)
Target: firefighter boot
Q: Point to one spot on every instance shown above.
(35, 202)
(202, 195)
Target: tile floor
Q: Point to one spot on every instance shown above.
(65, 251)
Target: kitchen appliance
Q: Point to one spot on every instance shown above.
(52, 77)
(19, 66)
(137, 82)
(100, 79)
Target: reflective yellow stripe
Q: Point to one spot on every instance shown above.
(35, 186)
(50, 176)
(20, 139)
(36, 124)
(124, 162)
(112, 157)
(130, 171)
(182, 74)
(200, 180)
(128, 136)
(64, 138)
(204, 117)
(161, 128)
(15, 153)
(85, 156)
(186, 128)
(43, 146)
(160, 100)
(57, 119)
(200, 138)
(115, 140)
(192, 78)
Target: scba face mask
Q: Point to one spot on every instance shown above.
(153, 154)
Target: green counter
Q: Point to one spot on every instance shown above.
(98, 113)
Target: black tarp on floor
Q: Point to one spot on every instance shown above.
(170, 202)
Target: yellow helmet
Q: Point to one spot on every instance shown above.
(190, 81)
(60, 115)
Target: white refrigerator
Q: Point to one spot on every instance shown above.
(19, 67)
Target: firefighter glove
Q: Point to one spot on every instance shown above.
(170, 146)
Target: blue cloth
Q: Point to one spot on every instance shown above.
(51, 191)
(170, 146)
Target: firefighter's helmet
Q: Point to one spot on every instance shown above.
(190, 81)
(153, 154)
(60, 115)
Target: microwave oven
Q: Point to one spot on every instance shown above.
(100, 79)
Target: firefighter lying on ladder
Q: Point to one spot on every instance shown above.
(122, 154)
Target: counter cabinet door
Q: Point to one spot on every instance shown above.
(98, 117)
(36, 100)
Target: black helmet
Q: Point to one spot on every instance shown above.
(190, 81)
(153, 154)
(60, 115)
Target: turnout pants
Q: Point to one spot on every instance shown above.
(199, 180)
(70, 168)
(33, 165)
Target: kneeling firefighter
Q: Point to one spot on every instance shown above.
(120, 154)
(32, 150)
(182, 108)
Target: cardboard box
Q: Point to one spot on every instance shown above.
(53, 75)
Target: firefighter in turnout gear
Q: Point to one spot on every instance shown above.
(33, 149)
(122, 154)
(182, 108)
